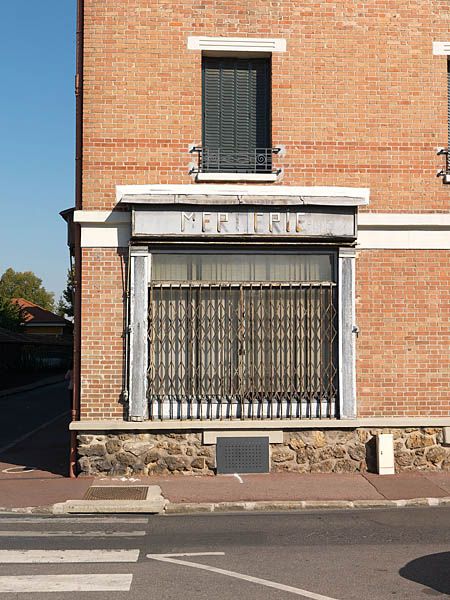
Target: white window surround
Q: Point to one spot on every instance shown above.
(441, 48)
(236, 44)
(264, 177)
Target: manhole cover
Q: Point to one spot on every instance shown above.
(105, 492)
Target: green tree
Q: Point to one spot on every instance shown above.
(10, 317)
(14, 284)
(65, 303)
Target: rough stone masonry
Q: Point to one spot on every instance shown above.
(307, 451)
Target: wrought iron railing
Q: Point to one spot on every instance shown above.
(235, 160)
(242, 351)
(445, 173)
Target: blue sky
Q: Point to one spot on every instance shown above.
(37, 126)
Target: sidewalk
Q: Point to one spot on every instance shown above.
(35, 492)
(44, 381)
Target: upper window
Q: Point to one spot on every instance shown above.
(236, 115)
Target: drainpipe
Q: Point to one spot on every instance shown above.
(75, 414)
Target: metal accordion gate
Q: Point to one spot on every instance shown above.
(230, 350)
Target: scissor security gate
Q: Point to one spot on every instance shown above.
(254, 350)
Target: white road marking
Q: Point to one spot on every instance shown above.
(18, 470)
(98, 533)
(82, 582)
(68, 556)
(272, 584)
(189, 554)
(78, 520)
(239, 478)
(22, 438)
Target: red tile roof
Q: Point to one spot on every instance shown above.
(33, 314)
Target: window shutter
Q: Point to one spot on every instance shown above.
(236, 110)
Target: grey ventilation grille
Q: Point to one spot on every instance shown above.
(242, 455)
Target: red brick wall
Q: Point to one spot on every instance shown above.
(403, 349)
(358, 99)
(104, 273)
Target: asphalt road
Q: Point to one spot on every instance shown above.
(346, 555)
(47, 450)
(25, 411)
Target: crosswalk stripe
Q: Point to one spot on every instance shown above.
(98, 533)
(81, 582)
(80, 520)
(68, 556)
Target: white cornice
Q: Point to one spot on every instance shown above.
(237, 194)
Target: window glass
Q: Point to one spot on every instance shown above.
(230, 267)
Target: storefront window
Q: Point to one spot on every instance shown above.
(229, 267)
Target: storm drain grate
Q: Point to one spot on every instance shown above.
(105, 492)
(242, 455)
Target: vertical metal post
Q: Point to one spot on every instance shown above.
(448, 107)
(347, 334)
(139, 276)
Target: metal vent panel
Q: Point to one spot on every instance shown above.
(242, 455)
(116, 493)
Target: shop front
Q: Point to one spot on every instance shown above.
(242, 304)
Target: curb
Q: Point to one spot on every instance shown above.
(32, 386)
(168, 508)
(288, 505)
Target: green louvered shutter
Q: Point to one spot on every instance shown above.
(236, 114)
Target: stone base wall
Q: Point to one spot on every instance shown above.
(305, 451)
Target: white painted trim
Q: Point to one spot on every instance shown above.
(281, 424)
(441, 48)
(360, 195)
(275, 436)
(346, 335)
(105, 236)
(408, 231)
(389, 239)
(236, 44)
(101, 216)
(236, 177)
(403, 220)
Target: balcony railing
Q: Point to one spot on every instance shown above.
(235, 160)
(444, 173)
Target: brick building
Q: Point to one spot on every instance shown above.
(260, 238)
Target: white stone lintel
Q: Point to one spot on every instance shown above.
(275, 435)
(236, 44)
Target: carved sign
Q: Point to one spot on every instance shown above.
(255, 223)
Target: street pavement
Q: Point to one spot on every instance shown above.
(318, 555)
(34, 452)
(43, 412)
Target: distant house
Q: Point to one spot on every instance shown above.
(38, 320)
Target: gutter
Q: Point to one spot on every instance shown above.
(77, 233)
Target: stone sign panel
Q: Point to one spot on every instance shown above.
(259, 222)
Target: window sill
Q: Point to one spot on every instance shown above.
(267, 177)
